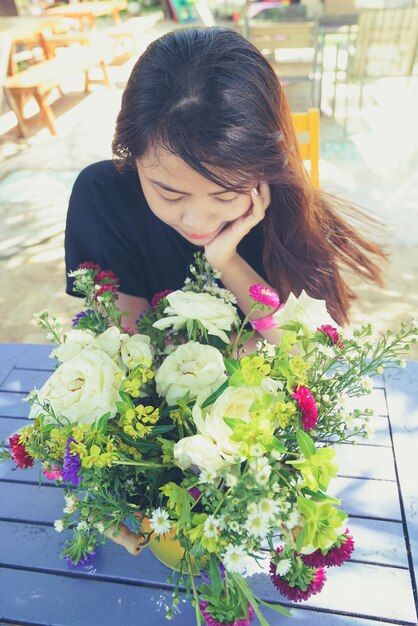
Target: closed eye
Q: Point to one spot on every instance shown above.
(169, 201)
(227, 201)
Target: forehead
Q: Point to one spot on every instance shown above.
(167, 168)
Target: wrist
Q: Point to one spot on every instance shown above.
(228, 263)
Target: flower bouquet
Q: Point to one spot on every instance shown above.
(177, 437)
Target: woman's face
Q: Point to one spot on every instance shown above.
(194, 206)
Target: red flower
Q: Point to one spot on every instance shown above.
(53, 473)
(337, 555)
(19, 453)
(332, 333)
(106, 277)
(295, 593)
(106, 289)
(264, 295)
(307, 406)
(88, 265)
(159, 296)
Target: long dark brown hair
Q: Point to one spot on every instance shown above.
(210, 97)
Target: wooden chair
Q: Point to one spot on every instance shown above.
(291, 48)
(385, 47)
(307, 125)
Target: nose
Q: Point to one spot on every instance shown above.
(199, 222)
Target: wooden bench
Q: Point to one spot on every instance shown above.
(39, 80)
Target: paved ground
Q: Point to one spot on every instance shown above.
(374, 163)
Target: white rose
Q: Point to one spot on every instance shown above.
(83, 388)
(213, 313)
(308, 311)
(234, 402)
(135, 350)
(192, 367)
(108, 341)
(74, 342)
(200, 451)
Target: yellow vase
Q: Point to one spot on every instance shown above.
(167, 549)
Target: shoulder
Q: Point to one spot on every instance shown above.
(104, 173)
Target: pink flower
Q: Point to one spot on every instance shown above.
(307, 406)
(19, 453)
(293, 592)
(264, 295)
(159, 296)
(332, 333)
(211, 621)
(106, 277)
(337, 555)
(54, 473)
(88, 265)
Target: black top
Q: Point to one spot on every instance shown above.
(110, 223)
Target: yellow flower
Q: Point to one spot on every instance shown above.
(97, 458)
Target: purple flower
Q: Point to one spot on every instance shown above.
(194, 492)
(80, 315)
(83, 562)
(206, 577)
(72, 465)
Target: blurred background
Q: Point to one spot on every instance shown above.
(63, 68)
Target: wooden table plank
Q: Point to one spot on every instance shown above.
(12, 405)
(367, 498)
(10, 353)
(365, 462)
(9, 426)
(402, 400)
(24, 380)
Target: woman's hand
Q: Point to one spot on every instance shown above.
(223, 248)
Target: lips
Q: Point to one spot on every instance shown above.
(197, 236)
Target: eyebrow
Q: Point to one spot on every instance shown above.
(185, 193)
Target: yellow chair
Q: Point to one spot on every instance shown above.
(308, 124)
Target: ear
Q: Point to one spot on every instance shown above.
(264, 191)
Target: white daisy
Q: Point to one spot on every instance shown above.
(256, 450)
(234, 526)
(159, 521)
(257, 525)
(283, 567)
(211, 526)
(268, 508)
(367, 384)
(235, 559)
(59, 525)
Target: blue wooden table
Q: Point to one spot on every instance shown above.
(378, 486)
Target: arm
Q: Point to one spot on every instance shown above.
(237, 274)
(133, 306)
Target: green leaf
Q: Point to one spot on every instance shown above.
(276, 607)
(319, 495)
(237, 379)
(277, 445)
(102, 423)
(300, 541)
(215, 395)
(241, 583)
(232, 366)
(127, 399)
(162, 428)
(305, 443)
(306, 507)
(215, 577)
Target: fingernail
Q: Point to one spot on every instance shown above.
(255, 191)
